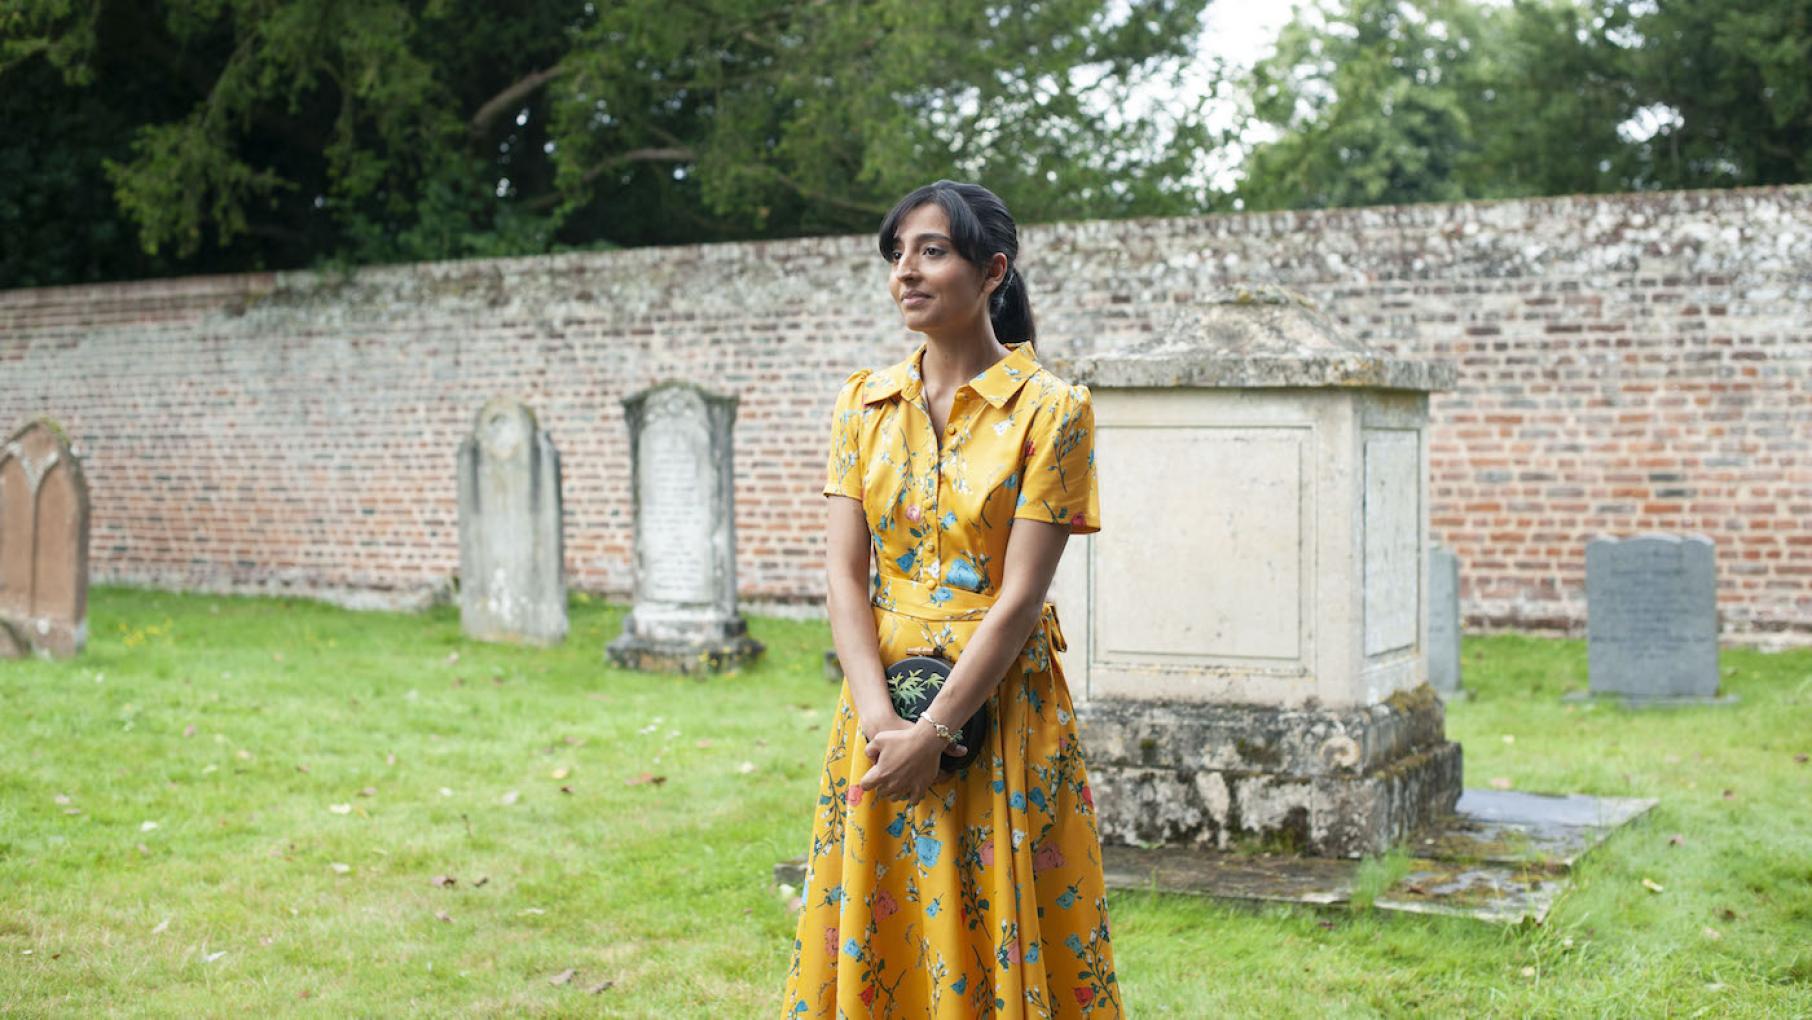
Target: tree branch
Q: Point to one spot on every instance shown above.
(502, 102)
(676, 155)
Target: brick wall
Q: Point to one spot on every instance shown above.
(1627, 363)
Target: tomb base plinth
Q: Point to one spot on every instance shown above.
(659, 642)
(1335, 783)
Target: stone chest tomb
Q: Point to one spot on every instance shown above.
(1253, 660)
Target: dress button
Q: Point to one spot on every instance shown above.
(912, 512)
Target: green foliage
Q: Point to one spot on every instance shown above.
(1390, 101)
(289, 132)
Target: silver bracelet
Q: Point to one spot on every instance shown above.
(942, 730)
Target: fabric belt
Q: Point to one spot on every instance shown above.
(943, 603)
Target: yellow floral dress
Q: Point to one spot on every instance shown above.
(986, 899)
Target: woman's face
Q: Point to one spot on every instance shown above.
(936, 288)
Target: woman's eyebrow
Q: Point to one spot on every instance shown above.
(916, 238)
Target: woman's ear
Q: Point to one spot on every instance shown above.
(997, 274)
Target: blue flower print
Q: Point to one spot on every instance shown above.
(1032, 953)
(961, 986)
(947, 521)
(1068, 898)
(854, 951)
(1037, 797)
(999, 785)
(906, 561)
(897, 826)
(964, 575)
(1013, 480)
(931, 909)
(929, 849)
(1017, 801)
(941, 595)
(1074, 942)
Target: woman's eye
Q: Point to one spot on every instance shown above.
(933, 250)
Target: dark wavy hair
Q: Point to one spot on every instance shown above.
(979, 226)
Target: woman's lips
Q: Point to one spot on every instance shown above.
(914, 298)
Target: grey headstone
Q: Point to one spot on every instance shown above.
(512, 569)
(1652, 616)
(1443, 620)
(684, 619)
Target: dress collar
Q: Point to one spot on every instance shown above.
(996, 385)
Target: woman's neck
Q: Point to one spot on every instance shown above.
(953, 359)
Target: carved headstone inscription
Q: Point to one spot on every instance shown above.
(511, 553)
(684, 619)
(1443, 620)
(43, 545)
(1652, 617)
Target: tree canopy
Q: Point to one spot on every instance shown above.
(1380, 101)
(250, 133)
(152, 137)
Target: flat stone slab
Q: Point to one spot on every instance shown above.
(1542, 831)
(1489, 892)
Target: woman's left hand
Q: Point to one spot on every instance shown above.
(907, 760)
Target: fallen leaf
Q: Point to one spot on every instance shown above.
(1327, 925)
(1500, 783)
(276, 656)
(1509, 738)
(561, 773)
(446, 791)
(452, 657)
(509, 798)
(72, 810)
(574, 741)
(1677, 839)
(61, 798)
(483, 880)
(369, 791)
(1801, 758)
(566, 789)
(243, 755)
(646, 779)
(146, 826)
(162, 926)
(1528, 972)
(211, 957)
(443, 916)
(302, 768)
(340, 869)
(1730, 795)
(795, 905)
(444, 881)
(143, 850)
(1713, 934)
(189, 730)
(340, 809)
(564, 977)
(600, 987)
(390, 759)
(530, 912)
(1728, 914)
(746, 767)
(703, 743)
(1651, 885)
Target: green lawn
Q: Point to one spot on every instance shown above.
(231, 806)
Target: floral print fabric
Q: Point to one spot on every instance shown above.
(986, 898)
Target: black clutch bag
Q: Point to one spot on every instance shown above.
(913, 682)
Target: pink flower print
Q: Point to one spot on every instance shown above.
(1088, 796)
(1012, 951)
(912, 512)
(868, 995)
(1045, 858)
(1078, 522)
(1028, 447)
(1084, 995)
(854, 796)
(830, 941)
(986, 853)
(885, 907)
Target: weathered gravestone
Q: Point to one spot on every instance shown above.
(512, 581)
(1443, 621)
(684, 619)
(43, 545)
(1652, 617)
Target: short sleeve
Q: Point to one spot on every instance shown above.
(843, 466)
(1059, 485)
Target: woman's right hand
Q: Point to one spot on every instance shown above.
(882, 722)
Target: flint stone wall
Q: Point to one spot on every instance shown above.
(1626, 363)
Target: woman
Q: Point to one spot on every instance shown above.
(964, 468)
